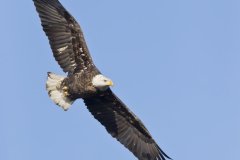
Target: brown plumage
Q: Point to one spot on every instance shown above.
(70, 51)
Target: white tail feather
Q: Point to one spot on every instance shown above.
(55, 91)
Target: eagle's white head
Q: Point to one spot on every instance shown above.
(101, 82)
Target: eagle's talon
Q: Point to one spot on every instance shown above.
(65, 91)
(65, 88)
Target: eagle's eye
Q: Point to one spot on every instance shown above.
(104, 80)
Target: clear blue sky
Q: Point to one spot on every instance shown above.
(176, 64)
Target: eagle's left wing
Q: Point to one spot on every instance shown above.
(123, 125)
(65, 36)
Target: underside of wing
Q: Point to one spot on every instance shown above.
(123, 125)
(65, 36)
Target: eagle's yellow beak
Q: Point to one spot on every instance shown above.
(110, 83)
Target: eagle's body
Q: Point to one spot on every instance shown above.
(80, 84)
(84, 81)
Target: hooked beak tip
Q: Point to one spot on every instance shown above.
(110, 83)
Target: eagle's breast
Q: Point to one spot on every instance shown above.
(80, 85)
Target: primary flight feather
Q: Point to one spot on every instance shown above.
(85, 81)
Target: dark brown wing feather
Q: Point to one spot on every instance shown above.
(123, 125)
(65, 36)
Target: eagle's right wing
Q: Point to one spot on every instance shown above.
(65, 36)
(123, 125)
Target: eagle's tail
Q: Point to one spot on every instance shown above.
(56, 91)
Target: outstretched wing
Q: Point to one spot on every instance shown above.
(123, 125)
(65, 36)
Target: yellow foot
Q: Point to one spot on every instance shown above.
(65, 91)
(66, 94)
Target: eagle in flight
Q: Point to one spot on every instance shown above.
(85, 81)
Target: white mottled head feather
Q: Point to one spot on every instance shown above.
(101, 82)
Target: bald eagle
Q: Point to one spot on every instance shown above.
(85, 81)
